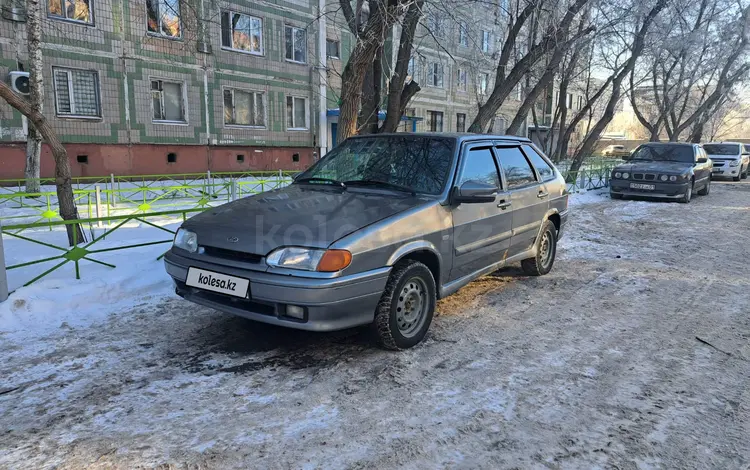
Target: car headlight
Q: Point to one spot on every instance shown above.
(664, 177)
(673, 178)
(618, 175)
(309, 259)
(734, 163)
(625, 176)
(186, 240)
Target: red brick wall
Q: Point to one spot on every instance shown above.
(144, 159)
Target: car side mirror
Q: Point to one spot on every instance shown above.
(473, 192)
(702, 160)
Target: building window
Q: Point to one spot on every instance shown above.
(333, 49)
(241, 32)
(244, 108)
(164, 18)
(411, 70)
(77, 93)
(519, 92)
(435, 121)
(569, 101)
(486, 41)
(463, 35)
(461, 81)
(460, 122)
(296, 44)
(71, 10)
(168, 101)
(435, 77)
(482, 83)
(296, 113)
(436, 24)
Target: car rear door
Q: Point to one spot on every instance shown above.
(481, 231)
(528, 197)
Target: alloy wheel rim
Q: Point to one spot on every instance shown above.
(411, 307)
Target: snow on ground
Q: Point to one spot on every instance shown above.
(594, 366)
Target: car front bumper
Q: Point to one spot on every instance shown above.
(329, 303)
(661, 190)
(726, 171)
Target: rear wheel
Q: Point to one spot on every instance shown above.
(546, 249)
(688, 193)
(706, 189)
(406, 307)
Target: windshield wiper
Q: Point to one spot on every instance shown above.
(315, 179)
(385, 184)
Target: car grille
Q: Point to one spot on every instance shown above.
(232, 255)
(644, 176)
(244, 304)
(719, 163)
(650, 177)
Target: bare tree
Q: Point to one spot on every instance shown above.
(636, 49)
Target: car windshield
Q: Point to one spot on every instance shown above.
(722, 149)
(420, 164)
(664, 153)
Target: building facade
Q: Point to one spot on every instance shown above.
(171, 86)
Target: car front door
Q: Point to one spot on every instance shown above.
(528, 197)
(702, 170)
(481, 231)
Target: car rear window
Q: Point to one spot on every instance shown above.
(542, 167)
(722, 149)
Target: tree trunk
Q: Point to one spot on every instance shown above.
(63, 182)
(36, 93)
(530, 100)
(398, 94)
(368, 118)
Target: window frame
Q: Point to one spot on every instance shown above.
(53, 17)
(294, 28)
(506, 184)
(465, 81)
(487, 42)
(183, 92)
(464, 123)
(160, 34)
(465, 158)
(544, 159)
(338, 48)
(463, 33)
(71, 97)
(483, 90)
(262, 52)
(307, 113)
(432, 75)
(431, 113)
(249, 91)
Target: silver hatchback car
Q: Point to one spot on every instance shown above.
(374, 233)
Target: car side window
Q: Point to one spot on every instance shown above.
(479, 165)
(517, 169)
(546, 173)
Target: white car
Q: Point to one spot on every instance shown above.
(731, 159)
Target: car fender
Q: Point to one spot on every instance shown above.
(413, 246)
(551, 211)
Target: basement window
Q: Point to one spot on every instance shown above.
(82, 159)
(171, 158)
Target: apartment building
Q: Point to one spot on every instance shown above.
(171, 86)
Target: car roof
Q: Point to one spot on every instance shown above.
(660, 144)
(724, 142)
(459, 136)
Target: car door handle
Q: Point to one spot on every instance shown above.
(542, 194)
(504, 205)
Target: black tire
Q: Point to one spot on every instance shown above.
(396, 330)
(542, 263)
(737, 178)
(706, 189)
(615, 196)
(744, 175)
(688, 193)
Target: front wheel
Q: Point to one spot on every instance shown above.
(688, 194)
(546, 249)
(406, 307)
(706, 189)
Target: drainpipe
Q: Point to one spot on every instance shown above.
(322, 78)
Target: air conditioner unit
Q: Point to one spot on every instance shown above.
(19, 82)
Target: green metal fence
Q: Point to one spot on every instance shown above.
(86, 251)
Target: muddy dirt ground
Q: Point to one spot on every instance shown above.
(633, 353)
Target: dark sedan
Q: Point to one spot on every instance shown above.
(663, 170)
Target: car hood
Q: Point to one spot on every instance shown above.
(296, 215)
(667, 168)
(724, 157)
